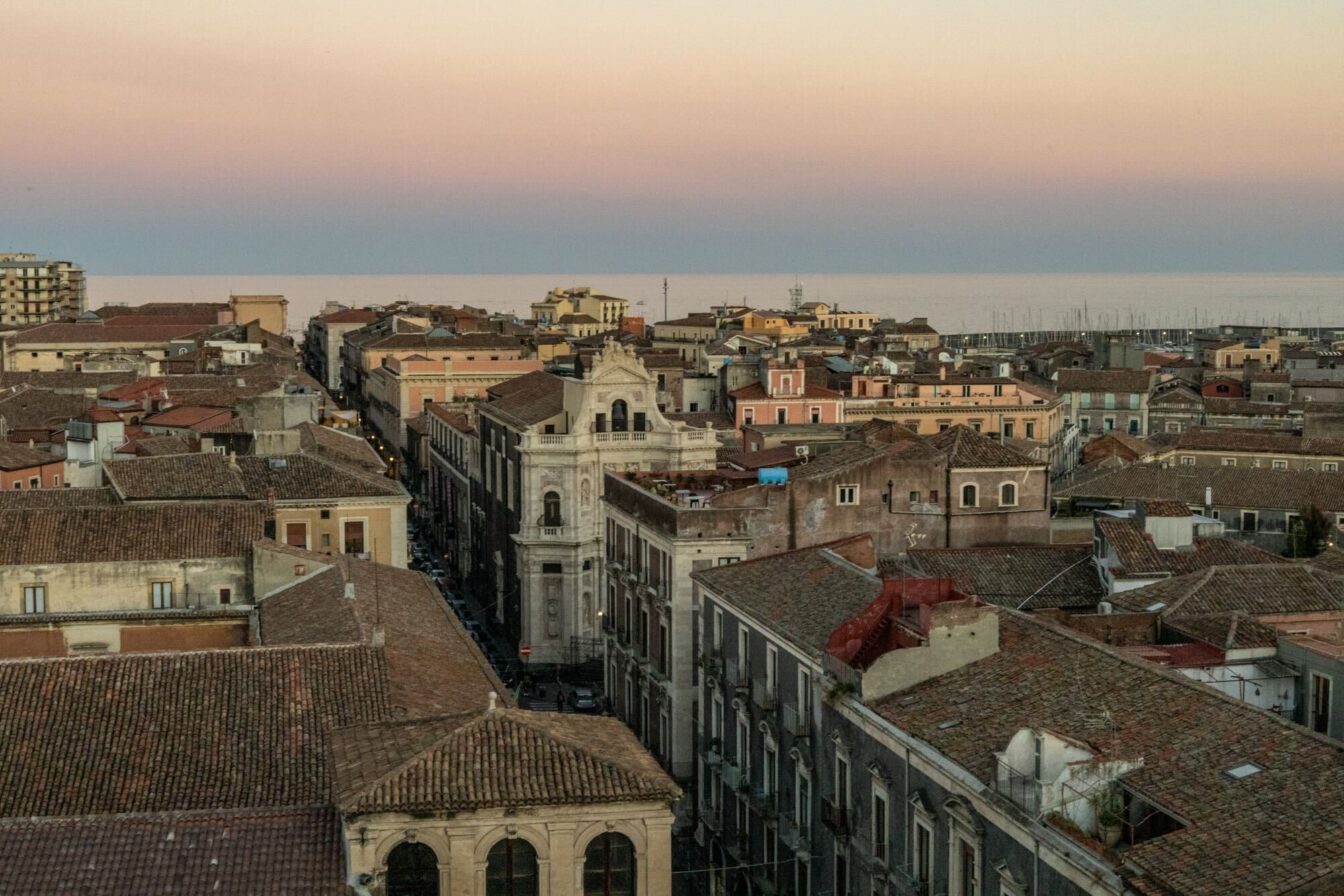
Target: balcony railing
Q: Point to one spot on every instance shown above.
(795, 722)
(712, 818)
(836, 817)
(765, 801)
(736, 675)
(1023, 789)
(552, 531)
(765, 694)
(712, 663)
(735, 777)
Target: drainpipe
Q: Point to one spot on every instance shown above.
(947, 504)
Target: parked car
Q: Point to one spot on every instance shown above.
(437, 574)
(583, 699)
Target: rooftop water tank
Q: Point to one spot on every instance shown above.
(772, 475)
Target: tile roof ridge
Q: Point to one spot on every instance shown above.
(228, 812)
(1204, 578)
(824, 546)
(530, 719)
(175, 654)
(1174, 676)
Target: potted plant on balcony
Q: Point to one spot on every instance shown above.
(1110, 809)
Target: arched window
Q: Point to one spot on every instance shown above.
(1008, 495)
(511, 869)
(620, 416)
(969, 496)
(412, 870)
(550, 509)
(609, 866)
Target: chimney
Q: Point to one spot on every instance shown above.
(1208, 500)
(379, 639)
(349, 590)
(493, 697)
(942, 373)
(240, 382)
(233, 460)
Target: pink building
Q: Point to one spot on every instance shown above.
(783, 395)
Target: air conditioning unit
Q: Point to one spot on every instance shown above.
(802, 450)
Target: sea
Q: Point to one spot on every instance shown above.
(953, 303)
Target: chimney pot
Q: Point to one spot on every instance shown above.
(379, 638)
(493, 697)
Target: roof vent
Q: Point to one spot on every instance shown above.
(950, 723)
(1244, 770)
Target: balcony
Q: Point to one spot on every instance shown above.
(836, 817)
(798, 725)
(736, 676)
(737, 778)
(1022, 789)
(712, 663)
(766, 802)
(794, 835)
(712, 818)
(765, 694)
(552, 531)
(713, 758)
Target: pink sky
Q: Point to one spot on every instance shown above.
(155, 105)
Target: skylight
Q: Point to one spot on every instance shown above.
(1244, 771)
(1153, 608)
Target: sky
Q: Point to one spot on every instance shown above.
(435, 136)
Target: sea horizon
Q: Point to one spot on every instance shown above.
(952, 302)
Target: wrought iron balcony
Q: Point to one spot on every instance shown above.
(1022, 789)
(797, 724)
(836, 817)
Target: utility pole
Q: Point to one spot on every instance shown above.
(665, 298)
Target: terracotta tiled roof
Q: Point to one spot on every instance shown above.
(804, 595)
(29, 407)
(1217, 438)
(1137, 555)
(500, 759)
(1173, 509)
(292, 852)
(965, 447)
(527, 399)
(1242, 407)
(1076, 379)
(63, 381)
(125, 532)
(290, 477)
(183, 416)
(1021, 576)
(340, 447)
(1226, 631)
(1330, 560)
(21, 457)
(103, 334)
(1232, 486)
(756, 392)
(1188, 736)
(351, 316)
(434, 666)
(1257, 590)
(56, 498)
(179, 731)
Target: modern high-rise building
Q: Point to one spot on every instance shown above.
(33, 290)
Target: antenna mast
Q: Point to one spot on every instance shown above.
(796, 296)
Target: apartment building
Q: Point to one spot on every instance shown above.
(664, 526)
(544, 444)
(34, 290)
(785, 393)
(929, 403)
(323, 340)
(62, 346)
(607, 312)
(865, 734)
(1206, 446)
(1103, 401)
(830, 317)
(418, 371)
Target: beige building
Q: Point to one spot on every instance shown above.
(830, 317)
(268, 311)
(313, 504)
(929, 404)
(602, 829)
(33, 290)
(80, 580)
(607, 311)
(58, 347)
(361, 744)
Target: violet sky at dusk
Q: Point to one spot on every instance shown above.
(518, 136)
